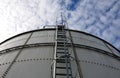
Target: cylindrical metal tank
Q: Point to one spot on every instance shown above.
(30, 55)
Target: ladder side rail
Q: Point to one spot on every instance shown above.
(54, 60)
(66, 55)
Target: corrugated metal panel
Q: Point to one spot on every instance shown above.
(92, 56)
(37, 53)
(3, 68)
(113, 50)
(31, 69)
(97, 65)
(15, 42)
(97, 71)
(34, 62)
(42, 37)
(88, 41)
(86, 37)
(8, 57)
(5, 61)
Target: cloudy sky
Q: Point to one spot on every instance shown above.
(98, 17)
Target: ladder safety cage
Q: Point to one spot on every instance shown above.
(62, 61)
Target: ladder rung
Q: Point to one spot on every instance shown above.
(61, 61)
(60, 29)
(61, 45)
(58, 51)
(62, 74)
(61, 34)
(60, 42)
(63, 67)
(62, 52)
(61, 26)
(60, 48)
(62, 56)
(60, 39)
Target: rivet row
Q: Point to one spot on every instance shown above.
(100, 64)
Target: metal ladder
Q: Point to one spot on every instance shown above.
(62, 64)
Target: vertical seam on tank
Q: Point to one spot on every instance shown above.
(75, 54)
(108, 47)
(9, 67)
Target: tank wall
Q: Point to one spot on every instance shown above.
(94, 71)
(5, 61)
(17, 41)
(49, 37)
(113, 50)
(37, 37)
(34, 62)
(83, 39)
(97, 65)
(93, 56)
(37, 52)
(31, 63)
(8, 57)
(42, 37)
(33, 69)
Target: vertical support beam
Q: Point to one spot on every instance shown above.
(108, 47)
(9, 67)
(75, 54)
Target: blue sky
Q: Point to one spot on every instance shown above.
(98, 17)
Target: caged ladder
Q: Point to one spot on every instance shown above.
(62, 64)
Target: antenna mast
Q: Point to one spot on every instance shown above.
(62, 20)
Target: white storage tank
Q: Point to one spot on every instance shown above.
(31, 55)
